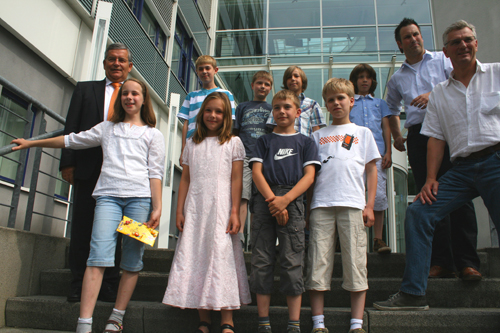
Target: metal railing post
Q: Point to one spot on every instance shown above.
(21, 167)
(34, 178)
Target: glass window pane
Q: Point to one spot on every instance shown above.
(149, 24)
(349, 40)
(241, 61)
(162, 42)
(295, 60)
(295, 44)
(175, 58)
(241, 14)
(178, 32)
(236, 44)
(239, 83)
(348, 12)
(393, 11)
(382, 74)
(15, 127)
(294, 13)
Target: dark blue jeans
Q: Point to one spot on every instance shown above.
(466, 180)
(453, 247)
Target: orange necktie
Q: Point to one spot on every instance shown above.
(111, 108)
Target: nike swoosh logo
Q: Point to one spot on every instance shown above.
(282, 156)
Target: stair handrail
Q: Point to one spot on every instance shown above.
(43, 110)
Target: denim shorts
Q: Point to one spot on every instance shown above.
(109, 211)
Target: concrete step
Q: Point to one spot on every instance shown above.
(443, 293)
(55, 314)
(391, 265)
(435, 320)
(52, 312)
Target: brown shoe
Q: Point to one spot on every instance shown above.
(470, 274)
(380, 246)
(440, 272)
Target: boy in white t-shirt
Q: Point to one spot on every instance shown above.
(337, 204)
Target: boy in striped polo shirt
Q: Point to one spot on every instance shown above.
(206, 68)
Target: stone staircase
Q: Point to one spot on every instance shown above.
(456, 306)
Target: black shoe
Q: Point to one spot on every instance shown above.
(401, 301)
(107, 293)
(75, 295)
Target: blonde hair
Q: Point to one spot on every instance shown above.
(287, 94)
(338, 85)
(262, 75)
(288, 74)
(147, 112)
(224, 133)
(206, 59)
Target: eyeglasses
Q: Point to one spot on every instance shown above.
(458, 41)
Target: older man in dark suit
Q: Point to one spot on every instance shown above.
(91, 103)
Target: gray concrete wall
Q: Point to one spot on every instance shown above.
(30, 73)
(483, 14)
(24, 255)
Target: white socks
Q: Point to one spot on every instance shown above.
(318, 321)
(117, 316)
(84, 325)
(356, 323)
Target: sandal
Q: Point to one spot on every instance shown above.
(203, 323)
(226, 327)
(117, 325)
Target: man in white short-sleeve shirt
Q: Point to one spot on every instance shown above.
(464, 112)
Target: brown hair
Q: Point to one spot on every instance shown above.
(287, 94)
(224, 133)
(358, 70)
(263, 75)
(288, 74)
(338, 85)
(205, 59)
(147, 112)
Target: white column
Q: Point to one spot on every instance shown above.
(170, 143)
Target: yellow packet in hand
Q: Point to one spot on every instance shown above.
(137, 230)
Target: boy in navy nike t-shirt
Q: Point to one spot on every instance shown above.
(283, 167)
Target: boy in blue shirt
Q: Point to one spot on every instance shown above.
(374, 113)
(249, 125)
(283, 167)
(206, 68)
(338, 205)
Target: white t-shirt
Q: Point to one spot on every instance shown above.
(340, 181)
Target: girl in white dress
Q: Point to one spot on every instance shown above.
(208, 271)
(129, 184)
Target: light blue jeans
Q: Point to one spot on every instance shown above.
(466, 180)
(109, 211)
